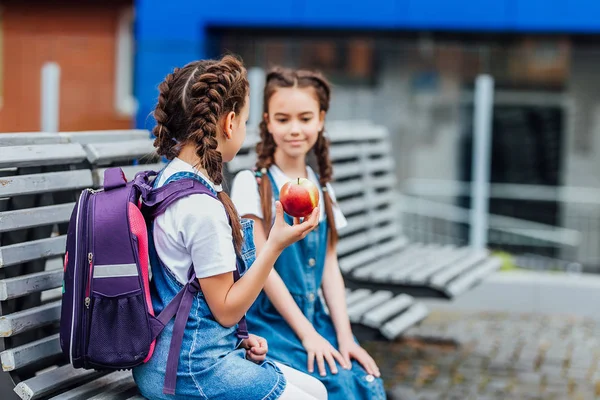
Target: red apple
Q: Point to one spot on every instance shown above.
(299, 197)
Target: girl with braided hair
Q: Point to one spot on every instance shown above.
(289, 312)
(201, 120)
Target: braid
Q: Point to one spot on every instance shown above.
(211, 97)
(321, 149)
(165, 143)
(265, 150)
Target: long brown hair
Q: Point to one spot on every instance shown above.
(265, 148)
(191, 102)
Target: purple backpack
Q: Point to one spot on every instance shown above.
(107, 319)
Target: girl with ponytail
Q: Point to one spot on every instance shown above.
(289, 312)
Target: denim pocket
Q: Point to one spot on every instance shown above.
(119, 334)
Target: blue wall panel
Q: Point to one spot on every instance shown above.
(170, 34)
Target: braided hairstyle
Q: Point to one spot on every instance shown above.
(265, 148)
(191, 102)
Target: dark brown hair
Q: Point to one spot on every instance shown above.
(265, 148)
(191, 102)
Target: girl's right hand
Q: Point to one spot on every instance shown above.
(320, 349)
(282, 234)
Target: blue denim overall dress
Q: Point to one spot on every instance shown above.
(301, 267)
(211, 366)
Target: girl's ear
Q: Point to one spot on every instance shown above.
(228, 125)
(321, 120)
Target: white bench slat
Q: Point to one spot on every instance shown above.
(348, 263)
(344, 151)
(32, 217)
(467, 280)
(400, 274)
(105, 387)
(12, 288)
(21, 321)
(102, 153)
(377, 316)
(348, 188)
(356, 295)
(446, 259)
(352, 206)
(30, 138)
(21, 356)
(346, 170)
(401, 323)
(110, 136)
(384, 266)
(129, 170)
(443, 277)
(39, 155)
(349, 243)
(356, 310)
(49, 382)
(32, 250)
(46, 182)
(394, 264)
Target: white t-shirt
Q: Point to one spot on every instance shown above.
(246, 198)
(194, 229)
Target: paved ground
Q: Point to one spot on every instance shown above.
(481, 355)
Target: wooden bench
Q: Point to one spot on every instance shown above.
(41, 176)
(373, 251)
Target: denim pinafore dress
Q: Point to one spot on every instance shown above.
(211, 364)
(301, 267)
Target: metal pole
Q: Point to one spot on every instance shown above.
(482, 146)
(256, 78)
(50, 97)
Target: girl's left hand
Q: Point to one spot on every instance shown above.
(256, 348)
(352, 350)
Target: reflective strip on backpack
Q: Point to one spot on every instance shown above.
(115, 270)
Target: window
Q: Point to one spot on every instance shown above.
(125, 102)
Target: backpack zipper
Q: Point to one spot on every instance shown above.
(88, 279)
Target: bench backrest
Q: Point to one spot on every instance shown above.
(365, 186)
(41, 176)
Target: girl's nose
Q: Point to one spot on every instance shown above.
(295, 129)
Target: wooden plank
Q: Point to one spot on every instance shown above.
(356, 295)
(21, 321)
(344, 151)
(32, 217)
(348, 188)
(400, 275)
(30, 138)
(357, 309)
(12, 288)
(351, 243)
(50, 382)
(395, 327)
(46, 182)
(105, 387)
(353, 206)
(28, 251)
(348, 263)
(129, 170)
(376, 317)
(385, 266)
(109, 136)
(442, 278)
(464, 282)
(446, 260)
(38, 155)
(346, 170)
(102, 153)
(19, 357)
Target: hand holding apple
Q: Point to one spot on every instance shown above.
(299, 197)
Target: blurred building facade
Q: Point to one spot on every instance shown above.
(89, 41)
(411, 66)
